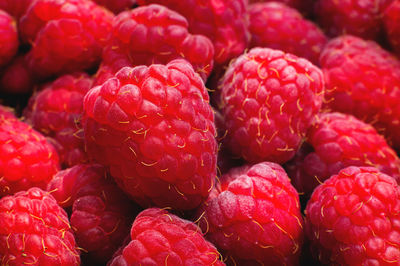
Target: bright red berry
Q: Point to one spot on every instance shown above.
(8, 38)
(269, 99)
(353, 218)
(15, 7)
(154, 128)
(6, 112)
(34, 230)
(391, 19)
(304, 6)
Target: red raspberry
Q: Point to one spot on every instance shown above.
(304, 6)
(6, 112)
(363, 79)
(56, 112)
(391, 19)
(269, 99)
(101, 214)
(357, 17)
(278, 26)
(353, 218)
(154, 35)
(161, 238)
(8, 38)
(116, 6)
(17, 77)
(26, 158)
(224, 22)
(338, 141)
(67, 35)
(254, 215)
(153, 126)
(15, 7)
(34, 230)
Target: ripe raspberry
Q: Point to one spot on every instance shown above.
(153, 126)
(353, 218)
(101, 214)
(254, 215)
(34, 230)
(278, 26)
(268, 101)
(356, 17)
(391, 20)
(6, 112)
(26, 158)
(161, 238)
(363, 79)
(338, 141)
(67, 35)
(304, 6)
(17, 77)
(155, 35)
(16, 8)
(56, 111)
(224, 22)
(8, 38)
(116, 6)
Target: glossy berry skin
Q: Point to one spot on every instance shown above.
(101, 214)
(35, 231)
(268, 101)
(391, 19)
(353, 218)
(355, 17)
(253, 216)
(26, 158)
(154, 34)
(278, 26)
(116, 6)
(56, 110)
(224, 22)
(161, 238)
(154, 128)
(337, 141)
(8, 38)
(362, 79)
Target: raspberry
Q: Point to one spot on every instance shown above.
(17, 77)
(101, 213)
(153, 127)
(55, 111)
(362, 79)
(278, 26)
(8, 38)
(155, 35)
(6, 112)
(304, 6)
(116, 6)
(34, 230)
(391, 20)
(16, 8)
(67, 35)
(338, 141)
(161, 238)
(268, 101)
(254, 215)
(225, 22)
(353, 218)
(26, 158)
(356, 17)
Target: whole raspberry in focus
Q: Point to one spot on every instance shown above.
(161, 238)
(304, 6)
(278, 26)
(356, 17)
(391, 19)
(34, 230)
(66, 35)
(8, 38)
(253, 216)
(363, 79)
(336, 141)
(154, 128)
(224, 22)
(269, 99)
(17, 77)
(16, 8)
(154, 34)
(353, 218)
(101, 213)
(116, 6)
(26, 158)
(56, 110)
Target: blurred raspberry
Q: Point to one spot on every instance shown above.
(304, 6)
(17, 77)
(154, 128)
(15, 7)
(6, 112)
(269, 99)
(116, 6)
(363, 79)
(56, 110)
(353, 218)
(391, 18)
(34, 230)
(8, 38)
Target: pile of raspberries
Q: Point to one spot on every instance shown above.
(199, 132)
